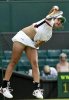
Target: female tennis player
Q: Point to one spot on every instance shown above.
(29, 39)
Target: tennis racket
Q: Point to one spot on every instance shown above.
(55, 15)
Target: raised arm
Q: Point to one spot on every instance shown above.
(53, 11)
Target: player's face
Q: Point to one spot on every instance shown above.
(58, 23)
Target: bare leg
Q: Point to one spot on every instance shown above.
(33, 58)
(16, 54)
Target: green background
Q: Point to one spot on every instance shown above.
(14, 15)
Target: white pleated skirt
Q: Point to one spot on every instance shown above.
(24, 39)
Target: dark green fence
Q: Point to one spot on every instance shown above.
(14, 14)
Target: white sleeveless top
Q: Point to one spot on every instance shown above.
(43, 31)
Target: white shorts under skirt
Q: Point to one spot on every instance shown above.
(24, 39)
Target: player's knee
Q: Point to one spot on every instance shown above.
(35, 63)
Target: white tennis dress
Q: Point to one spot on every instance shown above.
(43, 32)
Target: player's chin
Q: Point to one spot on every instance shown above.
(58, 26)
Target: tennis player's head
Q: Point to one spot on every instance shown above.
(57, 14)
(59, 21)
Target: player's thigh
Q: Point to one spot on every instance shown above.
(32, 54)
(17, 51)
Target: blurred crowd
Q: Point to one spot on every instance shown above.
(50, 72)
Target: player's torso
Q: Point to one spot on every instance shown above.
(43, 31)
(29, 31)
